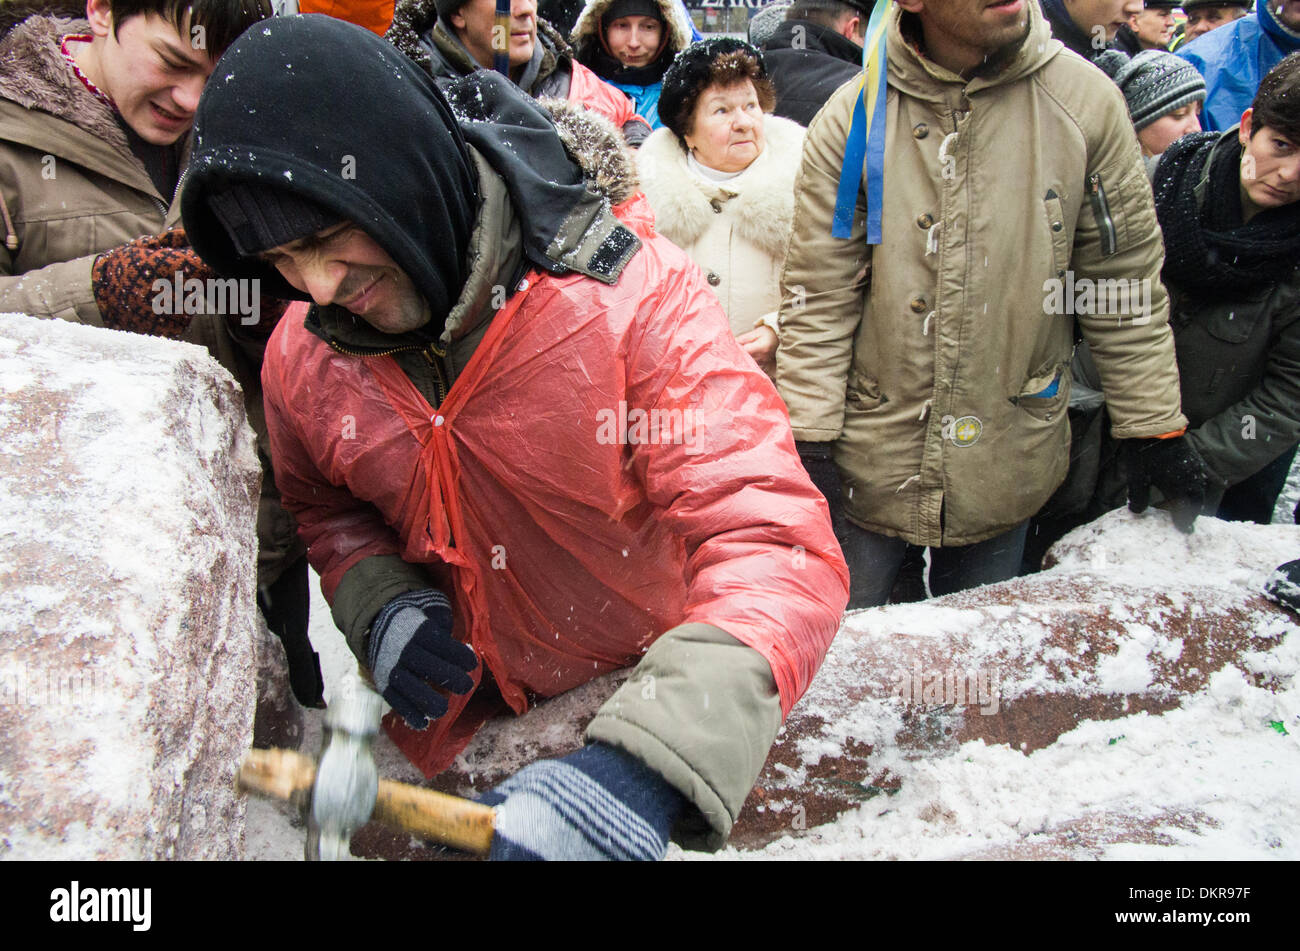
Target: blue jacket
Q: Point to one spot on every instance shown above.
(1233, 59)
(645, 98)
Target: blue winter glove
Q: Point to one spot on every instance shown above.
(410, 647)
(596, 804)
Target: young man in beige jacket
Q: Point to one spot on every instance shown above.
(928, 376)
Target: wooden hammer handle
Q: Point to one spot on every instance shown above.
(438, 817)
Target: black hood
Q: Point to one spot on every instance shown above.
(328, 110)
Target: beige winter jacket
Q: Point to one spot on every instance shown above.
(70, 184)
(922, 359)
(736, 230)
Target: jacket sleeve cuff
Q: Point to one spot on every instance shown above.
(62, 290)
(365, 588)
(701, 710)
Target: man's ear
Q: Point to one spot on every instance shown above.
(457, 20)
(1243, 134)
(851, 28)
(912, 6)
(100, 15)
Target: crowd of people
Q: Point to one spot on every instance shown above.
(585, 347)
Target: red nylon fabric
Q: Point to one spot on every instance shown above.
(590, 90)
(572, 530)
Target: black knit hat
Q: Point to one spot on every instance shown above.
(1192, 4)
(1154, 83)
(403, 175)
(629, 8)
(258, 217)
(689, 76)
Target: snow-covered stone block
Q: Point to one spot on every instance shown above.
(1137, 699)
(128, 498)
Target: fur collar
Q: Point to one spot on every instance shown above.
(34, 74)
(761, 198)
(13, 12)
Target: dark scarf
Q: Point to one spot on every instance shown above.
(1207, 248)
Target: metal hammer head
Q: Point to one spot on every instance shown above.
(347, 780)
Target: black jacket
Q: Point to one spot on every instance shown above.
(807, 62)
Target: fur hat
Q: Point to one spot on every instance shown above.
(689, 76)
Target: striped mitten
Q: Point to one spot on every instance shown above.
(598, 804)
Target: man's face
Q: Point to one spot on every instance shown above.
(1270, 166)
(475, 24)
(343, 265)
(1095, 16)
(1154, 27)
(150, 70)
(970, 32)
(1204, 19)
(1288, 11)
(635, 40)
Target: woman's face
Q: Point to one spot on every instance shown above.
(1169, 128)
(1270, 165)
(635, 40)
(726, 131)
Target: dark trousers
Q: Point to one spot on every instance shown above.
(874, 561)
(1253, 499)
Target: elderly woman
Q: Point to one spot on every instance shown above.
(720, 177)
(630, 44)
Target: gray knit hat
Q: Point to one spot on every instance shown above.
(1154, 83)
(765, 22)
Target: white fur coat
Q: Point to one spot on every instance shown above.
(740, 247)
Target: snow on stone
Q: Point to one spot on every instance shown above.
(1148, 709)
(128, 492)
(1136, 701)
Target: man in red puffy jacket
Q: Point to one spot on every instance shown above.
(520, 443)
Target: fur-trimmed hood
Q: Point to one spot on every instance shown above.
(761, 197)
(34, 74)
(674, 14)
(592, 141)
(13, 12)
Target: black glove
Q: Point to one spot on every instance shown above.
(1175, 468)
(818, 460)
(1283, 586)
(411, 647)
(285, 604)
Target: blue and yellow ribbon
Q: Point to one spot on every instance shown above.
(865, 149)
